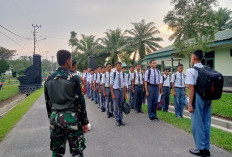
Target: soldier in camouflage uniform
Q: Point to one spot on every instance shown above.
(66, 108)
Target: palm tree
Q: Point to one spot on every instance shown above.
(73, 41)
(142, 38)
(85, 47)
(112, 45)
(224, 18)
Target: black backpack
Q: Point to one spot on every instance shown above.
(209, 83)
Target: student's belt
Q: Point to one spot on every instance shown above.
(153, 85)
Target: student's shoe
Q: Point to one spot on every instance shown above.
(197, 152)
(103, 110)
(118, 123)
(206, 152)
(177, 116)
(122, 123)
(96, 102)
(140, 111)
(156, 118)
(151, 119)
(136, 111)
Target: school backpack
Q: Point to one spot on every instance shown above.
(209, 83)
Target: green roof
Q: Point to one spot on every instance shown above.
(221, 38)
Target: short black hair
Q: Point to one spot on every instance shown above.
(118, 63)
(74, 62)
(138, 64)
(103, 67)
(166, 69)
(62, 56)
(108, 64)
(198, 54)
(131, 66)
(123, 67)
(152, 60)
(180, 65)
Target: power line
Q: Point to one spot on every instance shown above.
(38, 47)
(15, 33)
(15, 42)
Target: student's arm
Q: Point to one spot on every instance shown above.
(191, 95)
(111, 86)
(173, 89)
(125, 95)
(112, 91)
(103, 85)
(145, 81)
(95, 85)
(133, 85)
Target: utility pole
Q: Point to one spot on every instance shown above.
(52, 62)
(36, 27)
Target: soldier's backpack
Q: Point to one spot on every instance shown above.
(209, 83)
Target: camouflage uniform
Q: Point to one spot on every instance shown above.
(67, 113)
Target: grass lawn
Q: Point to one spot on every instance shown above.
(221, 107)
(8, 92)
(218, 137)
(13, 116)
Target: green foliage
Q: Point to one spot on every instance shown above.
(194, 23)
(20, 64)
(224, 18)
(8, 92)
(142, 38)
(113, 45)
(3, 66)
(13, 116)
(6, 53)
(83, 48)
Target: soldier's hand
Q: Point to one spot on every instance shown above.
(85, 128)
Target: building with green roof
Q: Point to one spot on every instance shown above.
(219, 58)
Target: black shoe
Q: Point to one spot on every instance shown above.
(140, 111)
(132, 107)
(202, 153)
(103, 110)
(156, 118)
(122, 123)
(118, 123)
(96, 103)
(136, 111)
(206, 152)
(112, 115)
(151, 119)
(108, 115)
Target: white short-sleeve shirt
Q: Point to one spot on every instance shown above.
(137, 75)
(165, 80)
(178, 79)
(192, 74)
(115, 81)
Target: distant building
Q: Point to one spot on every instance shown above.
(219, 58)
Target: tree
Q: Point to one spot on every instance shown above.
(73, 41)
(84, 48)
(3, 66)
(224, 18)
(113, 45)
(194, 23)
(142, 38)
(20, 64)
(6, 53)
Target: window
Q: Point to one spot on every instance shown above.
(230, 52)
(208, 59)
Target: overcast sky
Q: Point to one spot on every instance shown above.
(59, 17)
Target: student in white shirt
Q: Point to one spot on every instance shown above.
(165, 89)
(138, 87)
(107, 92)
(179, 90)
(102, 97)
(118, 92)
(199, 108)
(131, 98)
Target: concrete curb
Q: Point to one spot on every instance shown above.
(215, 121)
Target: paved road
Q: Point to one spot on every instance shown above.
(139, 138)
